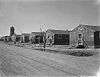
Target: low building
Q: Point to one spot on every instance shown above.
(2, 38)
(25, 37)
(16, 38)
(87, 35)
(57, 37)
(6, 38)
(36, 37)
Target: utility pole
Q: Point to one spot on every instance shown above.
(44, 40)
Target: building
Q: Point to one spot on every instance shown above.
(12, 30)
(16, 38)
(57, 37)
(13, 38)
(2, 38)
(36, 37)
(6, 38)
(25, 37)
(86, 35)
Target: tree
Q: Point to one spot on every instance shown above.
(44, 35)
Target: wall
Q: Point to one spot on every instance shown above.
(88, 35)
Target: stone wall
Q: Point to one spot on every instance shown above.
(88, 35)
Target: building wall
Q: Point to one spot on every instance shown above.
(88, 35)
(56, 40)
(25, 38)
(36, 38)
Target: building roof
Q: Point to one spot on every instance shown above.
(37, 33)
(58, 31)
(18, 35)
(26, 34)
(95, 28)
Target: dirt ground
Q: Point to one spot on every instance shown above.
(20, 61)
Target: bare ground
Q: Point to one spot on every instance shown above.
(16, 61)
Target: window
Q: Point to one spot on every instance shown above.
(59, 36)
(64, 36)
(80, 35)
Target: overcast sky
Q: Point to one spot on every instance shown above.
(27, 16)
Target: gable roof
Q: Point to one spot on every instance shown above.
(58, 31)
(95, 28)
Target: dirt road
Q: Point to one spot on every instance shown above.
(19, 61)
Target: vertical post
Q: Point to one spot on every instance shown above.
(44, 41)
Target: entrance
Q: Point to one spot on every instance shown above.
(80, 41)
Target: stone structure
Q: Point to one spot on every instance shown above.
(87, 34)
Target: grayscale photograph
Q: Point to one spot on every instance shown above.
(49, 38)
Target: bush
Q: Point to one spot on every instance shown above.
(81, 53)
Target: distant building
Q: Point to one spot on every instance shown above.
(57, 37)
(2, 38)
(6, 38)
(13, 37)
(87, 35)
(36, 37)
(25, 37)
(16, 38)
(12, 30)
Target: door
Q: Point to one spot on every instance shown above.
(80, 39)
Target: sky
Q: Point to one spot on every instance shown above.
(30, 15)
